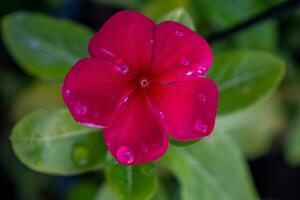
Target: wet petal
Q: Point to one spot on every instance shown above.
(93, 90)
(125, 39)
(179, 53)
(136, 134)
(188, 108)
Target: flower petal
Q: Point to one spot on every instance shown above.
(179, 53)
(136, 134)
(188, 108)
(126, 39)
(93, 90)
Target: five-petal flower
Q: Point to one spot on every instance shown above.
(142, 82)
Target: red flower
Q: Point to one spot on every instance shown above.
(142, 82)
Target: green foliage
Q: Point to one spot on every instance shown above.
(210, 169)
(105, 193)
(51, 142)
(245, 77)
(292, 148)
(179, 15)
(43, 46)
(35, 96)
(253, 129)
(132, 182)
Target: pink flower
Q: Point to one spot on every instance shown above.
(142, 82)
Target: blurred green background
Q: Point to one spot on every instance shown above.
(267, 133)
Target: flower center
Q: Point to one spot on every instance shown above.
(144, 82)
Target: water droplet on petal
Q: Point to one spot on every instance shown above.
(80, 155)
(151, 41)
(185, 62)
(81, 109)
(201, 126)
(202, 97)
(189, 73)
(92, 125)
(125, 155)
(144, 148)
(68, 92)
(108, 53)
(125, 99)
(161, 114)
(179, 33)
(122, 68)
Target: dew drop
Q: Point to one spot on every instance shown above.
(185, 62)
(200, 126)
(179, 33)
(161, 114)
(189, 73)
(122, 68)
(92, 125)
(80, 155)
(125, 99)
(144, 148)
(202, 97)
(125, 155)
(81, 109)
(107, 52)
(151, 41)
(68, 92)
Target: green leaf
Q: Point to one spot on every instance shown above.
(51, 142)
(36, 96)
(211, 169)
(157, 8)
(245, 77)
(137, 182)
(254, 129)
(179, 15)
(121, 3)
(86, 190)
(292, 147)
(105, 193)
(44, 46)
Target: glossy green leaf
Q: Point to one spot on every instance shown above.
(254, 129)
(137, 182)
(120, 3)
(211, 169)
(44, 46)
(50, 141)
(157, 8)
(245, 77)
(106, 193)
(292, 147)
(179, 15)
(36, 96)
(82, 190)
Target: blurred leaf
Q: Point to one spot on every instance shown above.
(179, 15)
(44, 46)
(83, 190)
(137, 182)
(51, 142)
(211, 169)
(292, 147)
(105, 193)
(245, 77)
(35, 96)
(254, 129)
(157, 8)
(121, 3)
